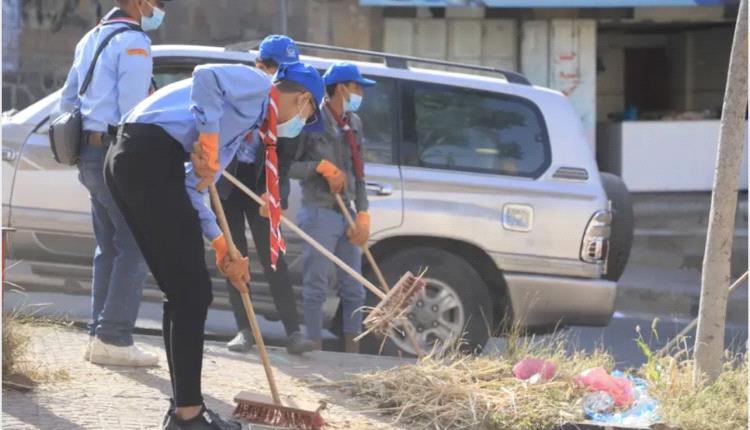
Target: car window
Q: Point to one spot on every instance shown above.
(377, 116)
(164, 76)
(476, 131)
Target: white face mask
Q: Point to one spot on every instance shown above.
(149, 23)
(291, 128)
(354, 102)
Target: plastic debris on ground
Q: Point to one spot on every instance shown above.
(641, 413)
(598, 379)
(534, 370)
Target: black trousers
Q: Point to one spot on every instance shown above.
(144, 171)
(238, 208)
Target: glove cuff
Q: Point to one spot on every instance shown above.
(220, 246)
(327, 169)
(363, 218)
(209, 143)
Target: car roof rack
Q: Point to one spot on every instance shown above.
(396, 60)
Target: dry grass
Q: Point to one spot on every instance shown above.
(18, 365)
(717, 406)
(15, 342)
(455, 391)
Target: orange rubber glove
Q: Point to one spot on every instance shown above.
(222, 252)
(361, 232)
(205, 159)
(238, 272)
(336, 179)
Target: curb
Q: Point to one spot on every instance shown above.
(649, 301)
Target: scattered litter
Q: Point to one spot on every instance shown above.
(535, 369)
(597, 379)
(597, 403)
(642, 413)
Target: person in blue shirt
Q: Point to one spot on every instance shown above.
(198, 120)
(121, 79)
(248, 168)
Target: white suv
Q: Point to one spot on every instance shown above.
(489, 182)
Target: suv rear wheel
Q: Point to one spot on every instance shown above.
(456, 304)
(623, 223)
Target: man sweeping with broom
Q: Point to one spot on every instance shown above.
(326, 164)
(273, 51)
(146, 174)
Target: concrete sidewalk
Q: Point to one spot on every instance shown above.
(113, 398)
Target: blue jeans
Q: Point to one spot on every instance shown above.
(329, 228)
(119, 267)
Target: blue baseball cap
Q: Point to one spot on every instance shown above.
(345, 72)
(278, 48)
(307, 76)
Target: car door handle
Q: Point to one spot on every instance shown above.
(380, 189)
(9, 154)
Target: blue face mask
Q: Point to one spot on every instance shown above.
(149, 23)
(291, 128)
(354, 102)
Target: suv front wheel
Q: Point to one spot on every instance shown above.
(455, 306)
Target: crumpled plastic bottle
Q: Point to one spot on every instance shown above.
(597, 403)
(619, 387)
(642, 413)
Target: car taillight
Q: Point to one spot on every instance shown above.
(595, 245)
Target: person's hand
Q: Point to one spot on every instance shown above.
(335, 177)
(263, 209)
(238, 272)
(361, 231)
(205, 159)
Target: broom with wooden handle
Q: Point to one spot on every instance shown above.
(392, 305)
(408, 329)
(250, 406)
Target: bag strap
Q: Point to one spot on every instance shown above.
(99, 49)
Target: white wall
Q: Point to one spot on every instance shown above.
(463, 39)
(561, 54)
(670, 155)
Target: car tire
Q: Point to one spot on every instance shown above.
(623, 224)
(445, 271)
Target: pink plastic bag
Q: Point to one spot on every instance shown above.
(597, 379)
(530, 366)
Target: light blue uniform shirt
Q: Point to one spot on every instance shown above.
(248, 153)
(121, 79)
(228, 99)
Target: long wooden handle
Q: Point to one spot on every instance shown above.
(247, 303)
(365, 248)
(307, 238)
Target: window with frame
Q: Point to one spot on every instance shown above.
(377, 114)
(476, 131)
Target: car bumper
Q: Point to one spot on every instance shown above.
(540, 300)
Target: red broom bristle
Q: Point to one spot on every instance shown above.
(270, 415)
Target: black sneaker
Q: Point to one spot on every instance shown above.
(205, 420)
(296, 344)
(170, 411)
(242, 342)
